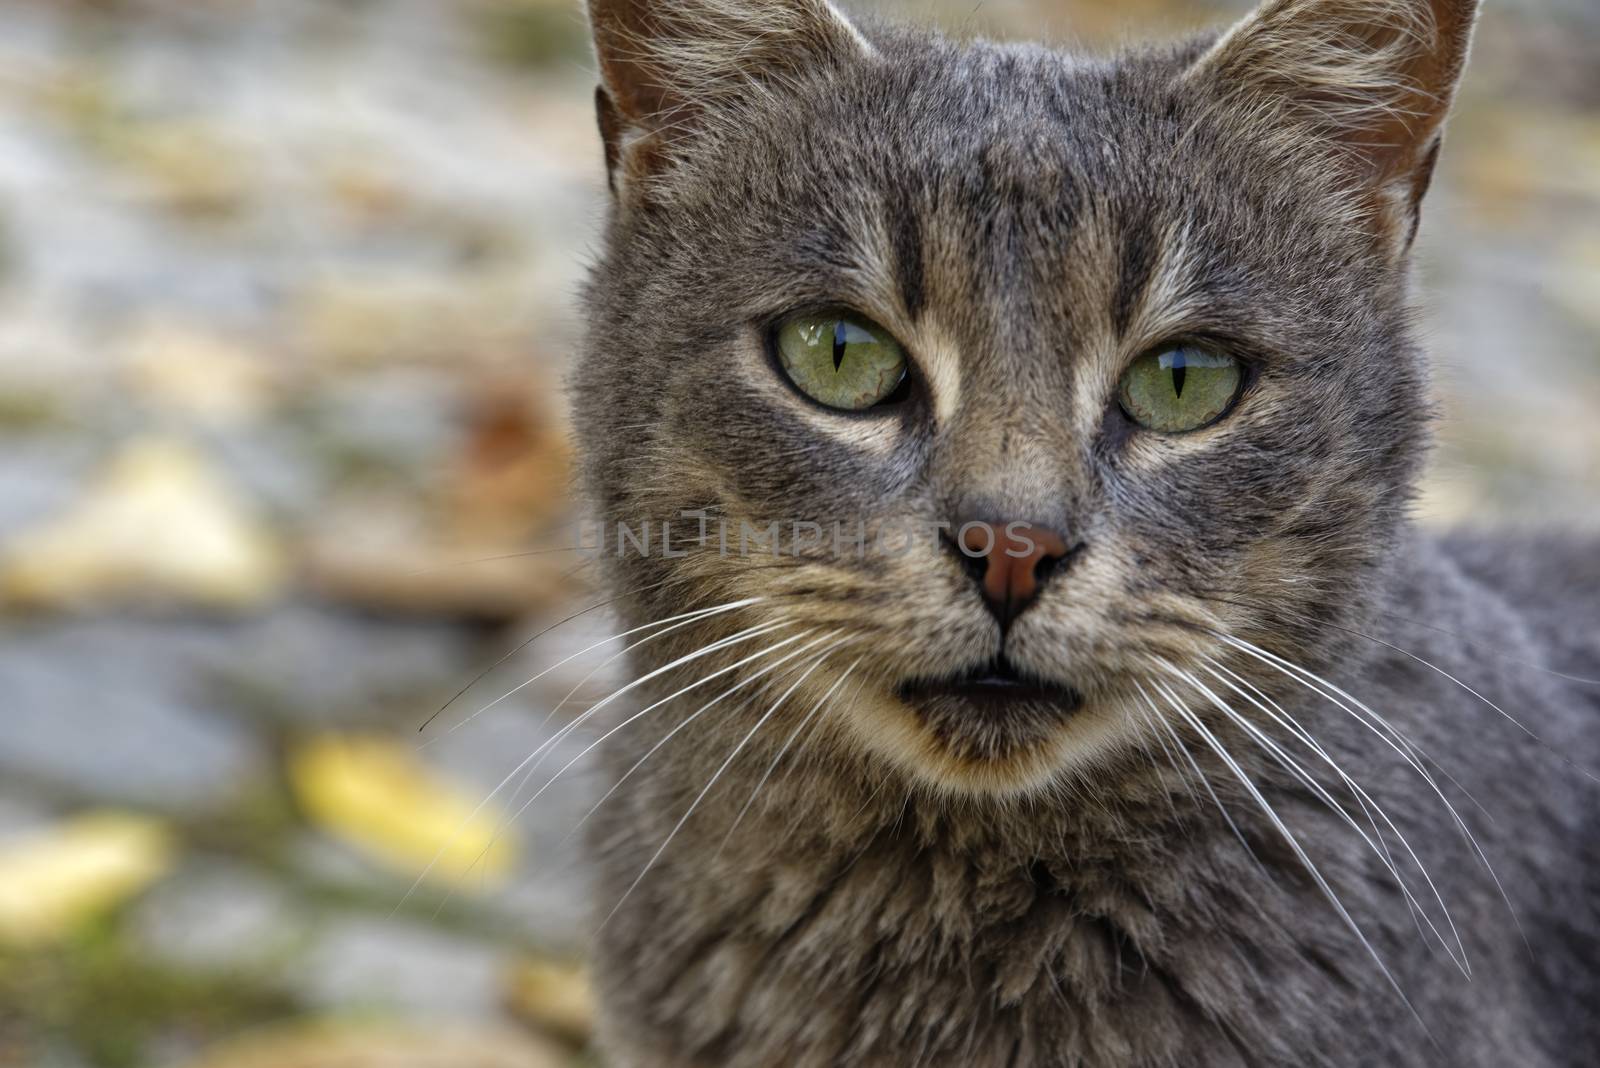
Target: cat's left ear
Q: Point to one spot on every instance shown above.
(672, 70)
(1371, 79)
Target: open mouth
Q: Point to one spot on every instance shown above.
(995, 685)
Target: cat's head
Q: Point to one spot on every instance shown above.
(1152, 310)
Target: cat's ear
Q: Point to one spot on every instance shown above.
(669, 69)
(1372, 79)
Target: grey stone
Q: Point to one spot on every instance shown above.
(212, 916)
(100, 720)
(363, 963)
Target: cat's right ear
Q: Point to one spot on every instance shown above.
(673, 69)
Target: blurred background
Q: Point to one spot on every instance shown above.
(286, 296)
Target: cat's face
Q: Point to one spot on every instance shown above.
(1045, 243)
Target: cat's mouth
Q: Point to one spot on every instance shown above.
(994, 728)
(989, 717)
(996, 686)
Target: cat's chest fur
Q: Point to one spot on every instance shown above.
(849, 921)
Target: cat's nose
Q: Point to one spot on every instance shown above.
(1011, 563)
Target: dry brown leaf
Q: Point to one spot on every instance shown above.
(554, 996)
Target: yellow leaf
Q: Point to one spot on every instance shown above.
(375, 794)
(57, 879)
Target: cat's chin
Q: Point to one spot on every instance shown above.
(987, 733)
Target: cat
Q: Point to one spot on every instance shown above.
(1162, 736)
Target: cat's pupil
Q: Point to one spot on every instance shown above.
(1180, 371)
(838, 344)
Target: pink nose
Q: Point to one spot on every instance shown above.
(1014, 555)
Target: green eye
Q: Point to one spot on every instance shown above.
(840, 360)
(1180, 389)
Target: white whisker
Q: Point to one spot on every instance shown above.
(808, 718)
(1300, 772)
(1393, 738)
(715, 778)
(1172, 759)
(1508, 717)
(635, 717)
(1294, 844)
(1234, 681)
(678, 621)
(709, 705)
(1204, 782)
(537, 757)
(512, 819)
(744, 635)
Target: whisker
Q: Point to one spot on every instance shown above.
(555, 739)
(1279, 714)
(1196, 724)
(706, 707)
(559, 705)
(808, 718)
(1297, 769)
(1201, 775)
(471, 561)
(1581, 680)
(1441, 671)
(480, 676)
(1405, 749)
(678, 622)
(512, 819)
(715, 778)
(1387, 732)
(1172, 760)
(1508, 717)
(615, 637)
(1446, 631)
(592, 672)
(593, 709)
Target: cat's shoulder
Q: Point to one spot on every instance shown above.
(1549, 578)
(1551, 564)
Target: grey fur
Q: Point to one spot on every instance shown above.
(974, 895)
